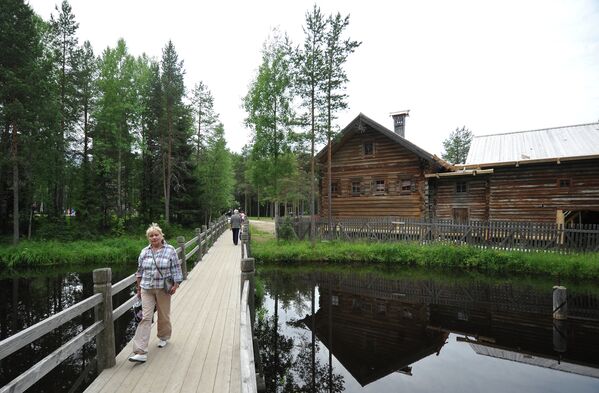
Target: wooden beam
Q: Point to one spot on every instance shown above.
(32, 333)
(35, 373)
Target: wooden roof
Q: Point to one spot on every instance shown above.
(361, 122)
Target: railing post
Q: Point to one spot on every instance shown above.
(205, 239)
(245, 237)
(247, 273)
(182, 257)
(103, 312)
(199, 237)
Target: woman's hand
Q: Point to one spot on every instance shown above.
(174, 288)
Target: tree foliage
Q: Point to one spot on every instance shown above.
(457, 145)
(111, 137)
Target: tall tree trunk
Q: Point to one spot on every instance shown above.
(15, 185)
(312, 176)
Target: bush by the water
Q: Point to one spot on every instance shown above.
(437, 256)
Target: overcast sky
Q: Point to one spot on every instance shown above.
(492, 66)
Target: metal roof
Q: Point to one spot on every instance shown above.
(569, 141)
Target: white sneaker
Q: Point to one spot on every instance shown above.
(138, 357)
(162, 343)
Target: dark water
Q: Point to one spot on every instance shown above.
(394, 332)
(28, 297)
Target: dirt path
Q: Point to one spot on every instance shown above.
(266, 226)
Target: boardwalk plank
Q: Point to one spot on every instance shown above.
(203, 354)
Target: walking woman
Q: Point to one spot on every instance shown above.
(156, 262)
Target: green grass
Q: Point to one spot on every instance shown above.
(52, 253)
(448, 257)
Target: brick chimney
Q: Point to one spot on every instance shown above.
(399, 122)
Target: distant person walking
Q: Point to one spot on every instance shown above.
(235, 225)
(156, 262)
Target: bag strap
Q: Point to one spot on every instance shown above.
(156, 264)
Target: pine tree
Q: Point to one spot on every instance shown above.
(310, 75)
(173, 90)
(337, 52)
(202, 103)
(457, 145)
(64, 44)
(19, 67)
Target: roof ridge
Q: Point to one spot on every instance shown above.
(539, 129)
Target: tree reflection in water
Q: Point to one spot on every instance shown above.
(31, 296)
(292, 364)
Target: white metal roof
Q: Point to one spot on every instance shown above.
(569, 141)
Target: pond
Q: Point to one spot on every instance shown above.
(29, 296)
(366, 331)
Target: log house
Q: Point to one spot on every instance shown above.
(548, 175)
(377, 172)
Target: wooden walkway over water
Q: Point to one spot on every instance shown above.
(203, 352)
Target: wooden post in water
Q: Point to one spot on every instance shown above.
(247, 273)
(560, 303)
(199, 237)
(103, 312)
(560, 335)
(182, 257)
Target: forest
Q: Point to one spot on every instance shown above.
(103, 144)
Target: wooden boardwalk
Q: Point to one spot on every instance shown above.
(203, 352)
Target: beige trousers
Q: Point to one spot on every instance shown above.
(149, 299)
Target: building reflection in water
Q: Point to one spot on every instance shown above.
(377, 326)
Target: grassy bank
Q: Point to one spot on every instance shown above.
(580, 266)
(50, 253)
(108, 250)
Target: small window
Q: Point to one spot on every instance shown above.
(334, 300)
(564, 183)
(406, 186)
(355, 188)
(368, 149)
(334, 188)
(461, 187)
(380, 186)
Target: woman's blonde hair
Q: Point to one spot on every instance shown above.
(153, 228)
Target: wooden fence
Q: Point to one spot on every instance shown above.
(103, 328)
(523, 236)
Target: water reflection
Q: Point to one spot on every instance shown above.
(334, 332)
(28, 297)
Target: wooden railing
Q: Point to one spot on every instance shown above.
(103, 327)
(249, 356)
(524, 236)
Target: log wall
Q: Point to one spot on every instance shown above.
(533, 193)
(390, 162)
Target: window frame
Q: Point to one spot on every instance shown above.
(375, 189)
(459, 189)
(564, 180)
(335, 188)
(372, 149)
(409, 189)
(359, 187)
